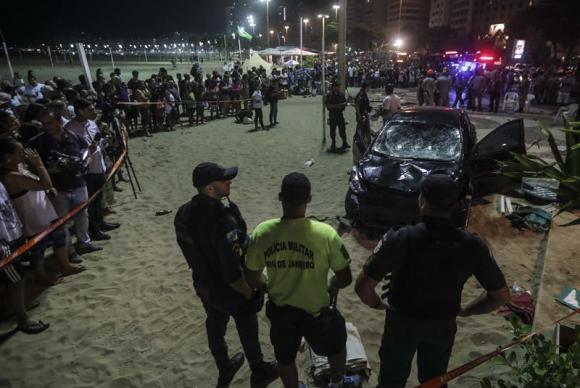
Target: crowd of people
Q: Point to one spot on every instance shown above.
(160, 101)
(55, 153)
(441, 84)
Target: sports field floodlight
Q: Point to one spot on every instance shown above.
(336, 7)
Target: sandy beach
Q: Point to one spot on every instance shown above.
(133, 320)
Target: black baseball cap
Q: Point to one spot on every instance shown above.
(440, 191)
(208, 172)
(295, 188)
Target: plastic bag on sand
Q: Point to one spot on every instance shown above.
(356, 359)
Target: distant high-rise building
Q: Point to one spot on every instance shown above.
(439, 13)
(406, 18)
(476, 17)
(368, 14)
(490, 15)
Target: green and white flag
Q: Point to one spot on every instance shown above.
(243, 33)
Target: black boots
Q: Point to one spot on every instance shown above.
(229, 370)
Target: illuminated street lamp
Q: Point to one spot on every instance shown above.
(286, 36)
(336, 7)
(398, 43)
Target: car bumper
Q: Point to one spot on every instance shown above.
(383, 211)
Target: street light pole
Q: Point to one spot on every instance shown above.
(341, 52)
(7, 55)
(267, 20)
(301, 46)
(305, 21)
(323, 81)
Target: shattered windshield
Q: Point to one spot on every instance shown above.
(420, 140)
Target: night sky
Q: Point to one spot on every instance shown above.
(34, 21)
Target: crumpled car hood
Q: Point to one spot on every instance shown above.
(402, 174)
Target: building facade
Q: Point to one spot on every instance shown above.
(368, 14)
(405, 18)
(490, 15)
(475, 17)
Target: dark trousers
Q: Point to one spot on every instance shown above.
(94, 183)
(477, 97)
(493, 101)
(216, 324)
(258, 116)
(459, 101)
(403, 337)
(273, 112)
(199, 108)
(337, 121)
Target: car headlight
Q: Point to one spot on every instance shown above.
(355, 184)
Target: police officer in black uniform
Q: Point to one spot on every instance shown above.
(429, 264)
(336, 104)
(213, 240)
(362, 135)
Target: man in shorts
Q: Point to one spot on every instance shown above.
(298, 254)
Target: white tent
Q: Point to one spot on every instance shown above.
(297, 52)
(272, 51)
(286, 51)
(257, 61)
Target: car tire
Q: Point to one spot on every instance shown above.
(350, 207)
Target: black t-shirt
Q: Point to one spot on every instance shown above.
(430, 263)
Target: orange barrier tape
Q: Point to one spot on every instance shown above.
(444, 379)
(39, 237)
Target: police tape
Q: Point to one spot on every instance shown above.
(445, 378)
(61, 221)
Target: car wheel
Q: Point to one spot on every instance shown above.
(351, 206)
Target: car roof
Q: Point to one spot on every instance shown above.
(435, 113)
(434, 110)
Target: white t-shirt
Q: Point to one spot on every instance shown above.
(88, 131)
(391, 104)
(257, 100)
(34, 92)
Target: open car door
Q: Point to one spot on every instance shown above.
(498, 145)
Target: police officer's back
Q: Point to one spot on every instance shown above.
(213, 238)
(429, 264)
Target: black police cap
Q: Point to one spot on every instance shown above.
(208, 172)
(295, 188)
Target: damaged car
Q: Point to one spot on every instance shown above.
(384, 185)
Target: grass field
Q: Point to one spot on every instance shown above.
(44, 71)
